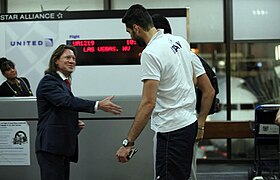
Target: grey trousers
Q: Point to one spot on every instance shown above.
(194, 165)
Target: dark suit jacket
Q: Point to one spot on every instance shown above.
(57, 129)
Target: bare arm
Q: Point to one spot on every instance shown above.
(142, 117)
(208, 92)
(145, 109)
(194, 76)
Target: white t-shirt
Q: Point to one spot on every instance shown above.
(167, 58)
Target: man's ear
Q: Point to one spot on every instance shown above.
(136, 28)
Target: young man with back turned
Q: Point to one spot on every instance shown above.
(168, 97)
(202, 83)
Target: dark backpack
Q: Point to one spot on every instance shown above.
(213, 79)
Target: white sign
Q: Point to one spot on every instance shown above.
(269, 129)
(28, 39)
(14, 143)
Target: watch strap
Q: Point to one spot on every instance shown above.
(126, 143)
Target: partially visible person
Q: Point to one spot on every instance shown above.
(277, 119)
(168, 97)
(14, 86)
(58, 124)
(203, 84)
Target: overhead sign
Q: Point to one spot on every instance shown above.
(106, 51)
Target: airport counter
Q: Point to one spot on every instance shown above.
(98, 142)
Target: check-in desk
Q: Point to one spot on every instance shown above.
(98, 143)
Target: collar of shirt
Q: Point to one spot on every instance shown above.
(160, 32)
(63, 77)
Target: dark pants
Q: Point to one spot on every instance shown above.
(53, 166)
(174, 153)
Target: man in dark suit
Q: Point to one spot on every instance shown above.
(58, 124)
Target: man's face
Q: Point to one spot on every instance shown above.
(67, 62)
(133, 34)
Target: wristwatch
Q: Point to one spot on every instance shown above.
(126, 143)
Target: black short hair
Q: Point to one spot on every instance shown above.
(161, 22)
(137, 14)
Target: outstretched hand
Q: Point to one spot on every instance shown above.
(108, 106)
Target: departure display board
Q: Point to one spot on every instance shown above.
(106, 52)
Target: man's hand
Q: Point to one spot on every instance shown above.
(123, 153)
(108, 106)
(81, 125)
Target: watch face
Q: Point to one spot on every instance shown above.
(125, 142)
